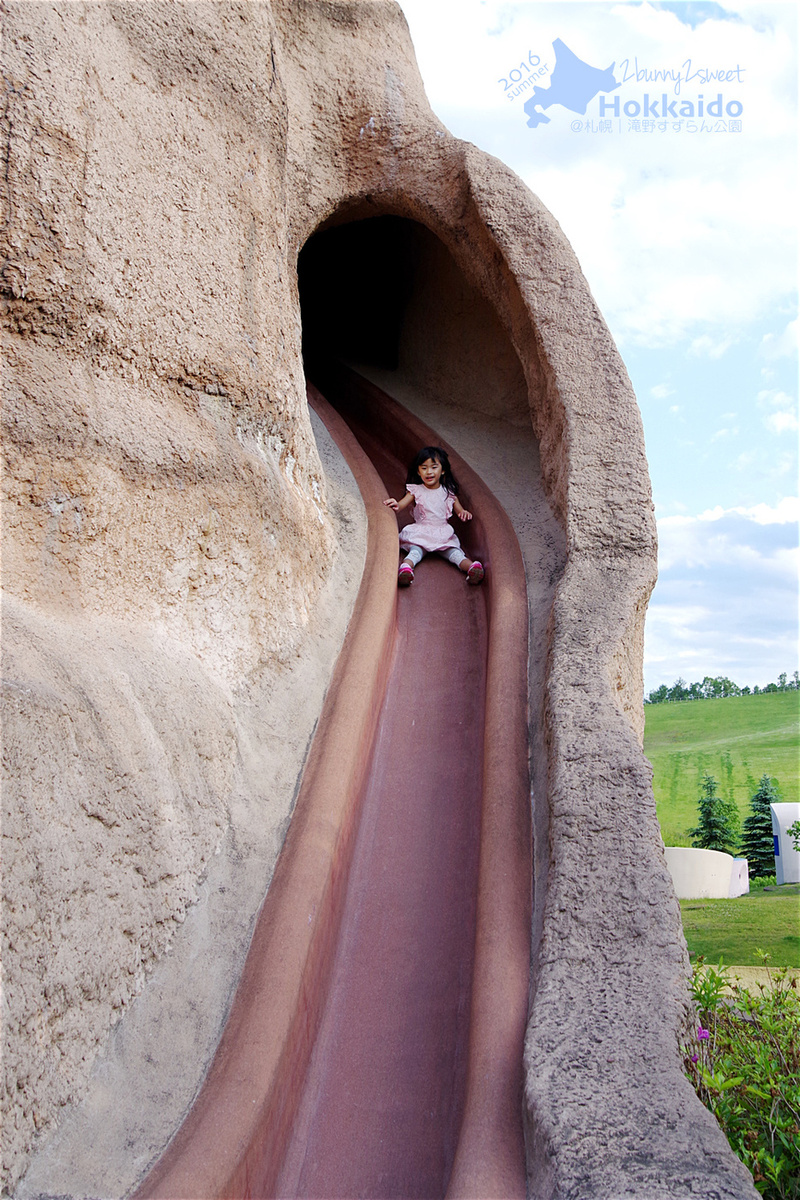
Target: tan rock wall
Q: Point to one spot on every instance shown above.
(149, 386)
(145, 1074)
(120, 754)
(165, 526)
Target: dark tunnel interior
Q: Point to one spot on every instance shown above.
(355, 281)
(386, 295)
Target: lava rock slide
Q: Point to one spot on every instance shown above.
(374, 1045)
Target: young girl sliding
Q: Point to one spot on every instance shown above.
(432, 489)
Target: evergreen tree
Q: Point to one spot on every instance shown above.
(757, 844)
(717, 827)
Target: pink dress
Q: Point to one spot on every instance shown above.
(430, 530)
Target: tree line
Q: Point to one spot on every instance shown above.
(717, 687)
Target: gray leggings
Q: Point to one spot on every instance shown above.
(454, 554)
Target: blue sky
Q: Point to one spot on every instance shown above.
(685, 227)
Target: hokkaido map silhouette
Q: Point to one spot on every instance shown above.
(573, 83)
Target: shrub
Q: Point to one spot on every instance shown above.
(745, 1067)
(794, 833)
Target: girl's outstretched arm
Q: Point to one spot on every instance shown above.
(460, 511)
(399, 506)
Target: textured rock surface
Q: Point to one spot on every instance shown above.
(165, 528)
(167, 537)
(145, 1076)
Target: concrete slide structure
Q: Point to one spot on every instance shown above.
(375, 1043)
(196, 194)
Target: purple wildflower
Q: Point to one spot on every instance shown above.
(703, 1033)
(694, 1058)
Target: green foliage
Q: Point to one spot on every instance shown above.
(758, 845)
(768, 916)
(735, 740)
(718, 824)
(794, 833)
(713, 687)
(761, 882)
(745, 1067)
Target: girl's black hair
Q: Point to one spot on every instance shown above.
(449, 481)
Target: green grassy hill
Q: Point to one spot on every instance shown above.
(737, 740)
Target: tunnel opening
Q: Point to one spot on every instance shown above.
(355, 281)
(385, 294)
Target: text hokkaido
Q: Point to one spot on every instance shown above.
(660, 107)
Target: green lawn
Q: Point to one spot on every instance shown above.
(737, 740)
(767, 919)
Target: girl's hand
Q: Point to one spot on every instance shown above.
(464, 515)
(400, 505)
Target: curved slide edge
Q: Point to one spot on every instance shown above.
(233, 1139)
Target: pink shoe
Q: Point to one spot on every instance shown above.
(405, 575)
(475, 574)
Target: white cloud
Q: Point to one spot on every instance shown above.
(785, 464)
(726, 598)
(666, 225)
(661, 391)
(781, 345)
(723, 433)
(671, 256)
(762, 461)
(782, 422)
(772, 398)
(785, 512)
(707, 347)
